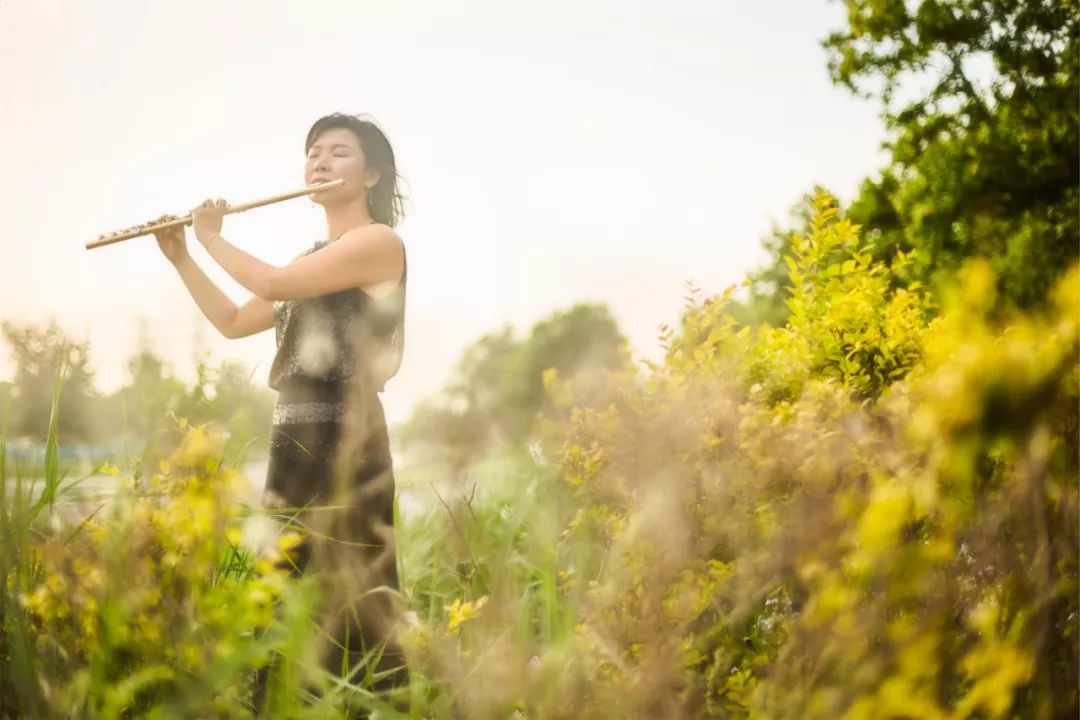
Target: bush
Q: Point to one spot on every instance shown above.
(861, 514)
(152, 606)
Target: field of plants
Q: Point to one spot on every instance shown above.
(869, 511)
(849, 488)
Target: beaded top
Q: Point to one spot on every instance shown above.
(331, 338)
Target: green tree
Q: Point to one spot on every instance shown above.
(7, 396)
(139, 409)
(497, 385)
(980, 98)
(39, 353)
(985, 163)
(240, 406)
(151, 392)
(584, 337)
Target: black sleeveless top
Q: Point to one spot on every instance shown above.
(343, 337)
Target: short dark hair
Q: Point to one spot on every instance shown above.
(386, 204)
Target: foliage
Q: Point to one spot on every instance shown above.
(152, 606)
(980, 101)
(863, 513)
(869, 510)
(135, 413)
(492, 632)
(498, 387)
(38, 353)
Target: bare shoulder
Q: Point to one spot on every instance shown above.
(378, 233)
(378, 240)
(383, 251)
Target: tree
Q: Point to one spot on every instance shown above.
(7, 396)
(984, 168)
(497, 388)
(243, 408)
(583, 337)
(984, 156)
(151, 393)
(39, 355)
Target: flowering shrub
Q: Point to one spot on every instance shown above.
(154, 602)
(863, 513)
(870, 511)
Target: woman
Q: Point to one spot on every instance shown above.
(338, 312)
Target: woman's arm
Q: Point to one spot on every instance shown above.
(246, 269)
(231, 321)
(215, 305)
(361, 257)
(252, 317)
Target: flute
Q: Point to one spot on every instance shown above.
(110, 238)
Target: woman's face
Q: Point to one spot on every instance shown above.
(336, 154)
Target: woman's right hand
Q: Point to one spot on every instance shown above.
(172, 241)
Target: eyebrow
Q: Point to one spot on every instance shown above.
(331, 147)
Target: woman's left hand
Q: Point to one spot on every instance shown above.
(206, 219)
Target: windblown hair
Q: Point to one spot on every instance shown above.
(385, 202)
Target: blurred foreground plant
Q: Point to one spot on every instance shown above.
(151, 604)
(859, 514)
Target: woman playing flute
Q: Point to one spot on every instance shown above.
(338, 311)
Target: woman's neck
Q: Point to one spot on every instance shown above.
(346, 216)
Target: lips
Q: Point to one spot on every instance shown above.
(319, 180)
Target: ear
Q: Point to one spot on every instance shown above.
(373, 173)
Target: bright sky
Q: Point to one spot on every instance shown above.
(553, 152)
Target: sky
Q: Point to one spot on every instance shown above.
(550, 152)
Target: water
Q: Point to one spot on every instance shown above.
(92, 491)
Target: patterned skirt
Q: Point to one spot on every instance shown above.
(330, 475)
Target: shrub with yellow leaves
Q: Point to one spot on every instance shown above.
(870, 511)
(153, 604)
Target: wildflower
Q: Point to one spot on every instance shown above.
(181, 423)
(288, 540)
(198, 448)
(460, 612)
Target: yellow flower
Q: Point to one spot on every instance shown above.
(288, 540)
(199, 448)
(181, 423)
(109, 469)
(460, 612)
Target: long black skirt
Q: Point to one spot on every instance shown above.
(330, 477)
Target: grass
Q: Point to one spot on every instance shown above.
(498, 544)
